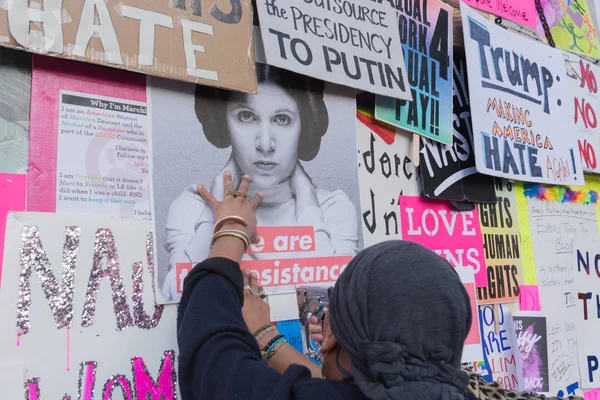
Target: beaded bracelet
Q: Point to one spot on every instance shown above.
(274, 349)
(264, 332)
(262, 328)
(272, 341)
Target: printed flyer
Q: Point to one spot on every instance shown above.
(102, 161)
(532, 340)
(291, 138)
(518, 104)
(426, 37)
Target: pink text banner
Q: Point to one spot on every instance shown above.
(520, 11)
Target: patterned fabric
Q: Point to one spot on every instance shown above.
(495, 391)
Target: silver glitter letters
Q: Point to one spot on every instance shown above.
(59, 297)
(142, 320)
(104, 248)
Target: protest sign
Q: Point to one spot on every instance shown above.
(385, 170)
(501, 244)
(348, 42)
(449, 171)
(205, 43)
(519, 97)
(500, 346)
(555, 228)
(532, 340)
(78, 309)
(520, 11)
(454, 235)
(427, 46)
(571, 25)
(529, 299)
(587, 296)
(14, 189)
(584, 89)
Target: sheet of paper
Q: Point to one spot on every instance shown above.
(529, 299)
(520, 11)
(429, 60)
(283, 307)
(14, 191)
(518, 106)
(12, 380)
(102, 160)
(350, 43)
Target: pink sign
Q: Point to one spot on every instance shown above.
(592, 395)
(454, 235)
(13, 188)
(529, 298)
(520, 11)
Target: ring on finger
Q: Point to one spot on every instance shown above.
(261, 292)
(236, 193)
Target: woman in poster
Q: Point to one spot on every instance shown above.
(270, 134)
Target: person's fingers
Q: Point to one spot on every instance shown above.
(244, 184)
(257, 200)
(207, 196)
(246, 274)
(317, 337)
(254, 281)
(227, 181)
(315, 324)
(256, 239)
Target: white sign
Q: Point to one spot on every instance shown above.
(349, 42)
(520, 103)
(102, 159)
(555, 229)
(583, 83)
(78, 310)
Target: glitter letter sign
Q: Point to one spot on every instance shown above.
(78, 312)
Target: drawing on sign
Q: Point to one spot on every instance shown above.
(426, 37)
(519, 96)
(501, 244)
(584, 87)
(449, 170)
(571, 26)
(348, 42)
(532, 340)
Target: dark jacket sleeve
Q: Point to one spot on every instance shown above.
(219, 358)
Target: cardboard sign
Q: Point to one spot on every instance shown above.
(555, 229)
(519, 97)
(501, 347)
(205, 43)
(449, 170)
(587, 297)
(78, 310)
(532, 341)
(385, 170)
(454, 235)
(428, 57)
(502, 246)
(348, 42)
(586, 102)
(520, 11)
(571, 25)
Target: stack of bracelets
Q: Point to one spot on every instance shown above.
(218, 233)
(274, 344)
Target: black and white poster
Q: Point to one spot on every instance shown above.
(296, 139)
(449, 170)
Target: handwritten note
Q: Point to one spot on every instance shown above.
(520, 11)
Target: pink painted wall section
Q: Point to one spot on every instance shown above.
(520, 11)
(49, 77)
(13, 188)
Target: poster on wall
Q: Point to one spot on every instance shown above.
(295, 138)
(449, 171)
(584, 90)
(191, 41)
(501, 347)
(532, 340)
(348, 43)
(455, 236)
(385, 171)
(518, 105)
(520, 11)
(502, 246)
(571, 25)
(15, 89)
(587, 297)
(426, 37)
(95, 134)
(555, 229)
(78, 310)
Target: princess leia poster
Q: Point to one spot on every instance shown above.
(295, 138)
